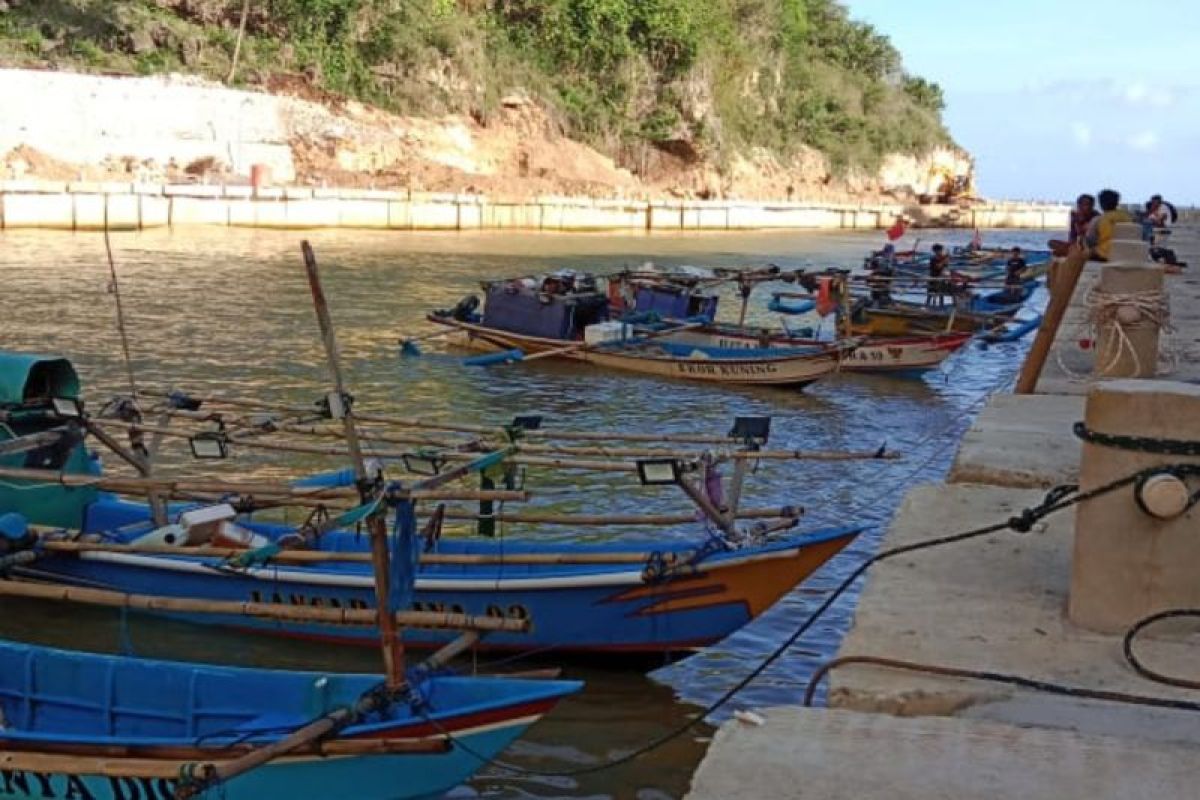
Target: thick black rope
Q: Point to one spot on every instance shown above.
(1135, 662)
(1056, 500)
(997, 677)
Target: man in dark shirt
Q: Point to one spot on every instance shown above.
(938, 287)
(1014, 277)
(1081, 218)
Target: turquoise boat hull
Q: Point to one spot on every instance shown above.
(68, 713)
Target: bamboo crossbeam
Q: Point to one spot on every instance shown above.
(141, 485)
(632, 520)
(32, 441)
(309, 614)
(274, 491)
(310, 557)
(392, 455)
(454, 427)
(166, 762)
(748, 455)
(411, 422)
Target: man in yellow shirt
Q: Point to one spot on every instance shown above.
(1100, 233)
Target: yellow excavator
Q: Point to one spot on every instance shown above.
(948, 187)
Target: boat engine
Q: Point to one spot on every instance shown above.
(465, 309)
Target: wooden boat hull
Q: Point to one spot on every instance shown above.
(84, 726)
(910, 354)
(616, 607)
(785, 370)
(899, 321)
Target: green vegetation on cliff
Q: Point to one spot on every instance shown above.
(634, 77)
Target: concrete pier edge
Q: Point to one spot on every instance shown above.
(999, 604)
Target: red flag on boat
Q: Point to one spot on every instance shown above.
(897, 230)
(977, 241)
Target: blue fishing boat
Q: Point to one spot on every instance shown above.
(659, 596)
(101, 727)
(1003, 302)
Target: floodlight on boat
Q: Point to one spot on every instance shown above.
(423, 465)
(658, 471)
(336, 405)
(751, 430)
(527, 422)
(209, 445)
(66, 407)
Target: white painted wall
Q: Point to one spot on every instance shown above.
(87, 118)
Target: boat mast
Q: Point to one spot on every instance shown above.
(393, 652)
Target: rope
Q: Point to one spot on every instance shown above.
(1119, 313)
(1056, 500)
(1141, 669)
(115, 288)
(996, 677)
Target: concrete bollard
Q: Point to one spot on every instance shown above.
(1128, 332)
(1135, 554)
(1128, 246)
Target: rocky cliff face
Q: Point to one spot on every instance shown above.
(181, 128)
(726, 98)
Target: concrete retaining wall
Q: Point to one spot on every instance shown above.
(90, 206)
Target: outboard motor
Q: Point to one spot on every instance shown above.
(465, 309)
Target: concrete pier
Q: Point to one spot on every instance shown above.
(999, 604)
(81, 205)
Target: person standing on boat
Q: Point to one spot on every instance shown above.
(1099, 237)
(1014, 276)
(879, 281)
(1081, 218)
(938, 287)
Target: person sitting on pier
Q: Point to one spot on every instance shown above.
(938, 287)
(1014, 277)
(1100, 232)
(1081, 218)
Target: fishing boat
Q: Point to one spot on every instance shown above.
(76, 725)
(896, 355)
(653, 596)
(564, 316)
(81, 725)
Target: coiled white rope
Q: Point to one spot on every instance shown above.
(1116, 314)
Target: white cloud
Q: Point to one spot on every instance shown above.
(1139, 93)
(1144, 141)
(1082, 133)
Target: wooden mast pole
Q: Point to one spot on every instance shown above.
(1066, 279)
(393, 653)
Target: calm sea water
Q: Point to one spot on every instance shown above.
(228, 310)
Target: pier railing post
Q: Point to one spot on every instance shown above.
(1137, 549)
(1129, 303)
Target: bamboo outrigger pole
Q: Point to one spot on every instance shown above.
(393, 653)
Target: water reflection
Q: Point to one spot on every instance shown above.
(228, 310)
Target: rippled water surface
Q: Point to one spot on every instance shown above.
(228, 309)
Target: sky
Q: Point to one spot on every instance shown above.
(1059, 97)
